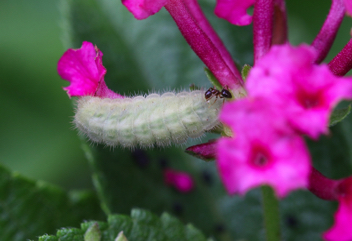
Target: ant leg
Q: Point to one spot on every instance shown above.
(216, 98)
(208, 100)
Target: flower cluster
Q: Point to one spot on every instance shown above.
(289, 94)
(286, 99)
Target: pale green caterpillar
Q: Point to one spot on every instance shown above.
(146, 121)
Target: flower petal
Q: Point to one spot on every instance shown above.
(234, 11)
(142, 9)
(78, 66)
(205, 151)
(84, 69)
(348, 5)
(341, 230)
(264, 150)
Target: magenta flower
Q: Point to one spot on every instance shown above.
(84, 69)
(264, 150)
(340, 190)
(341, 230)
(142, 9)
(234, 11)
(306, 93)
(348, 5)
(181, 181)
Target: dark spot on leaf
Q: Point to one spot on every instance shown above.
(207, 178)
(163, 163)
(219, 228)
(291, 221)
(177, 208)
(140, 157)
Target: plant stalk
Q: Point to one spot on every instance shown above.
(271, 214)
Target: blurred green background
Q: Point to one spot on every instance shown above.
(37, 138)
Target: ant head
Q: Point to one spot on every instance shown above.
(209, 93)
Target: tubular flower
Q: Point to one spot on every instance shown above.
(264, 150)
(84, 69)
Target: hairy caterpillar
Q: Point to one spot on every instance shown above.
(146, 121)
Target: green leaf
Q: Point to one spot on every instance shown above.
(93, 233)
(338, 115)
(245, 71)
(142, 225)
(30, 208)
(212, 79)
(121, 237)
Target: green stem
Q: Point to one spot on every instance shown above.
(271, 214)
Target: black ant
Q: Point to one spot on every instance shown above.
(211, 92)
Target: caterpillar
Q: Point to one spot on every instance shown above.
(146, 121)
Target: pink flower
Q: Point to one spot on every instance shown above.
(264, 150)
(341, 230)
(348, 5)
(142, 9)
(306, 93)
(182, 181)
(234, 11)
(84, 69)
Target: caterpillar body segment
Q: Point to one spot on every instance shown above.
(145, 121)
